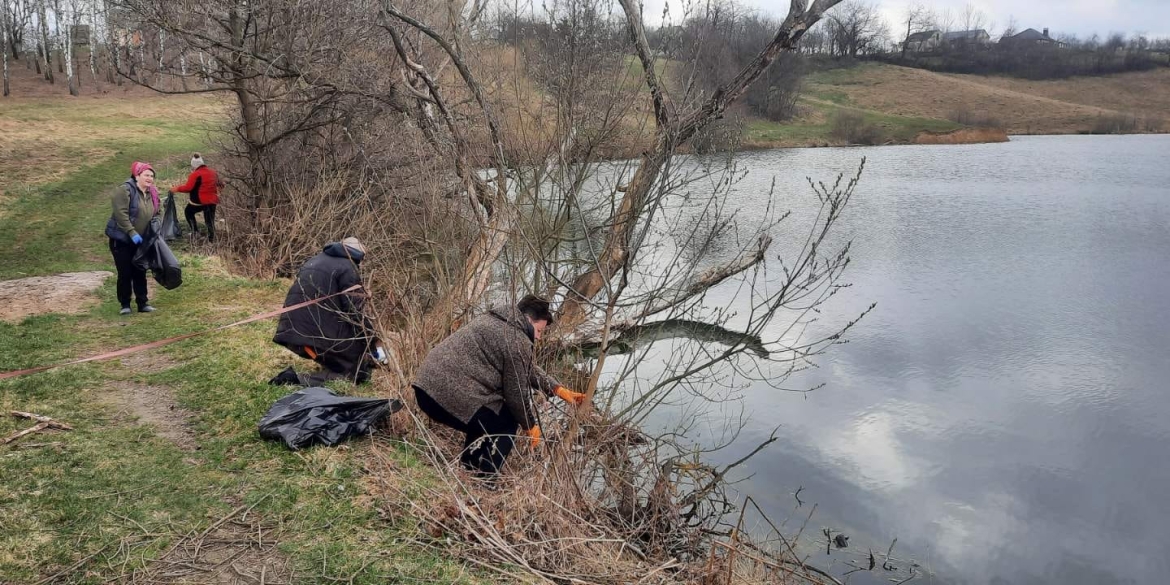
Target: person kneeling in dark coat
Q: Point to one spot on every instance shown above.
(335, 333)
(479, 381)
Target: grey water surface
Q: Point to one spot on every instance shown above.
(1004, 410)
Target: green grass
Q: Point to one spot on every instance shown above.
(113, 488)
(898, 129)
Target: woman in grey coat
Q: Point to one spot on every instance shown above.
(479, 381)
(134, 204)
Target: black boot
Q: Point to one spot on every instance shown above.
(287, 377)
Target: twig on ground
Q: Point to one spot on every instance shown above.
(72, 567)
(35, 428)
(221, 521)
(40, 418)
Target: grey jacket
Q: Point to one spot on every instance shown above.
(487, 363)
(131, 214)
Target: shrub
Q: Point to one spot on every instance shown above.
(852, 128)
(1115, 124)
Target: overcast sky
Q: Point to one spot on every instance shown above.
(1080, 17)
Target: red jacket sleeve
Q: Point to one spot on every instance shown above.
(190, 184)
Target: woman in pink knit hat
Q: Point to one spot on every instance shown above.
(134, 204)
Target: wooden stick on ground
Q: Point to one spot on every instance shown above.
(44, 419)
(28, 431)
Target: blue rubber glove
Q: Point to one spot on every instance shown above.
(137, 239)
(380, 356)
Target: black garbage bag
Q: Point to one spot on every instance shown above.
(156, 256)
(171, 228)
(317, 415)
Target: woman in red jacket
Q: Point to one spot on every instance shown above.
(203, 185)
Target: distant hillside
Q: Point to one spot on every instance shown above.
(1021, 106)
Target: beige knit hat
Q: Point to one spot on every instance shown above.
(196, 161)
(354, 244)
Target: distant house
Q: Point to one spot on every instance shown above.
(923, 42)
(966, 38)
(1030, 38)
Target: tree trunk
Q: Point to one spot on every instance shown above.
(113, 48)
(57, 34)
(162, 48)
(4, 46)
(249, 118)
(46, 48)
(907, 41)
(183, 69)
(93, 39)
(203, 73)
(68, 58)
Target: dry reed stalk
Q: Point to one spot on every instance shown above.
(963, 136)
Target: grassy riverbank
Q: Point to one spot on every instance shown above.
(163, 476)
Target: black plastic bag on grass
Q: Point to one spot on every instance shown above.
(317, 415)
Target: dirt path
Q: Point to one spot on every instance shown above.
(155, 406)
(69, 293)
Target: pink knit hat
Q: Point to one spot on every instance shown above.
(137, 168)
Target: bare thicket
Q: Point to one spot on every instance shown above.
(473, 148)
(856, 28)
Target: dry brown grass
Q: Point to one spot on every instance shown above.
(45, 134)
(1145, 93)
(963, 136)
(1025, 107)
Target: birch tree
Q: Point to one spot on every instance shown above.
(4, 23)
(46, 47)
(69, 17)
(58, 41)
(93, 45)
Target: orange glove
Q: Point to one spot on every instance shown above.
(534, 435)
(569, 396)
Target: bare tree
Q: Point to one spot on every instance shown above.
(70, 18)
(1010, 29)
(1115, 41)
(944, 20)
(856, 27)
(58, 41)
(973, 18)
(917, 17)
(46, 47)
(4, 27)
(93, 45)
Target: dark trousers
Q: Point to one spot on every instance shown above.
(129, 276)
(336, 368)
(489, 436)
(208, 217)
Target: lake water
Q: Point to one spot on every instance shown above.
(1004, 411)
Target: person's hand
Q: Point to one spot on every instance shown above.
(569, 396)
(137, 239)
(380, 355)
(533, 435)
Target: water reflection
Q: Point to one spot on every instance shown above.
(1002, 412)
